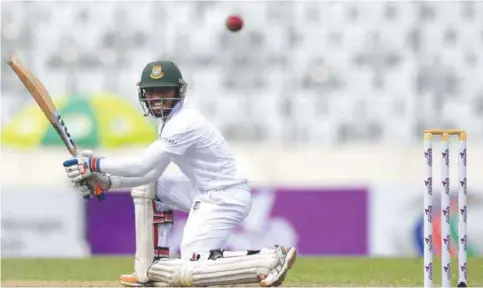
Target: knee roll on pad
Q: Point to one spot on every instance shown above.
(144, 192)
(169, 272)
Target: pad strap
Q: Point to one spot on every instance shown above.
(162, 223)
(163, 217)
(160, 252)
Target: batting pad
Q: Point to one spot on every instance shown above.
(223, 271)
(143, 212)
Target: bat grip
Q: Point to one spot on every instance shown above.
(98, 192)
(99, 195)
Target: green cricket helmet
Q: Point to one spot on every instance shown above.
(161, 76)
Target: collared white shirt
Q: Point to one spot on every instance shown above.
(191, 142)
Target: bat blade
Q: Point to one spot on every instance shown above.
(40, 94)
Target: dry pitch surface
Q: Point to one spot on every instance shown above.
(353, 272)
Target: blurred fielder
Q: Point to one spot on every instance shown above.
(213, 191)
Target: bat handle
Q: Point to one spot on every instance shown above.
(99, 193)
(97, 190)
(100, 196)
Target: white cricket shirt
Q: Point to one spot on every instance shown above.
(191, 142)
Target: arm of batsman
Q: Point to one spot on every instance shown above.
(133, 166)
(131, 182)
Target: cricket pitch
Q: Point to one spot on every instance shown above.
(307, 272)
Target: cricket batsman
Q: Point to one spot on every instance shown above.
(213, 191)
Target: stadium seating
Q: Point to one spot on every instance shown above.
(299, 72)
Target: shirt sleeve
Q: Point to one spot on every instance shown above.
(130, 182)
(177, 139)
(153, 157)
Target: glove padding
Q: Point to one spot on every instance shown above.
(97, 180)
(84, 180)
(82, 166)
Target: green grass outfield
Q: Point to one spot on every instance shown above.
(104, 271)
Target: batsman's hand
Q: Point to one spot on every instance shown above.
(85, 181)
(95, 185)
(82, 166)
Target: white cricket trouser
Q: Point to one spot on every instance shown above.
(213, 215)
(175, 193)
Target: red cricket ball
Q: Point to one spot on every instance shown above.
(234, 23)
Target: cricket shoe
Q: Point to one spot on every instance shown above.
(130, 280)
(276, 276)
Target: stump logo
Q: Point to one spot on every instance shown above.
(451, 215)
(429, 268)
(429, 157)
(429, 184)
(446, 157)
(446, 186)
(447, 271)
(463, 156)
(464, 269)
(463, 213)
(446, 243)
(446, 214)
(464, 243)
(429, 213)
(463, 185)
(429, 241)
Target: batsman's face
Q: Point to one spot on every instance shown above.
(160, 100)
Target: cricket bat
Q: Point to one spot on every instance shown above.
(44, 101)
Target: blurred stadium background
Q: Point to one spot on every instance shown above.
(324, 103)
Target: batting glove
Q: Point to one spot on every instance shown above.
(82, 166)
(95, 185)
